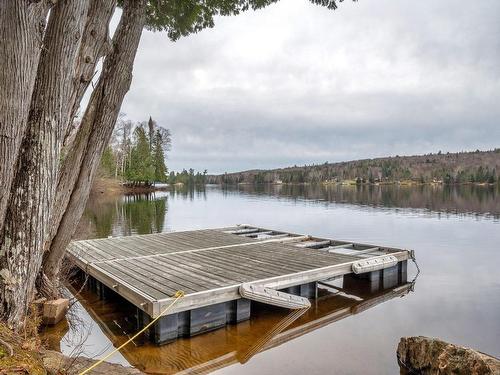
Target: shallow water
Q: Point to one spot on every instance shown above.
(455, 232)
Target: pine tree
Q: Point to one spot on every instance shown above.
(160, 169)
(140, 167)
(151, 134)
(171, 178)
(108, 162)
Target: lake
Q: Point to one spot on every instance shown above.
(455, 232)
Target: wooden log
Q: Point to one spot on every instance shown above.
(54, 311)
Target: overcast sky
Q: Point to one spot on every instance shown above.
(296, 83)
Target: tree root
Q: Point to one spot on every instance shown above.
(8, 347)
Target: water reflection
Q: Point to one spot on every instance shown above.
(460, 199)
(268, 328)
(124, 215)
(189, 192)
(147, 213)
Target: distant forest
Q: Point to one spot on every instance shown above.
(188, 177)
(449, 168)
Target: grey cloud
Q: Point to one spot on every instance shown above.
(295, 83)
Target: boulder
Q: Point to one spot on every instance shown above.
(424, 355)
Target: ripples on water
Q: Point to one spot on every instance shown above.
(454, 230)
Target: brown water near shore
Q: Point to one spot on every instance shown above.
(231, 345)
(455, 233)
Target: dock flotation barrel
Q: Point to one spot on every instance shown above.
(273, 297)
(374, 264)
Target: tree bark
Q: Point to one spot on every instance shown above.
(21, 30)
(79, 166)
(34, 186)
(95, 44)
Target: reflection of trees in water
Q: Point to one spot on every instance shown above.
(440, 198)
(189, 192)
(142, 214)
(131, 214)
(145, 213)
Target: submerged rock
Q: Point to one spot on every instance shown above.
(56, 363)
(424, 355)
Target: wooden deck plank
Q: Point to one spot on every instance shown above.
(195, 283)
(261, 262)
(301, 256)
(157, 278)
(128, 277)
(118, 250)
(169, 261)
(272, 252)
(303, 260)
(225, 269)
(145, 248)
(89, 254)
(91, 250)
(175, 242)
(254, 263)
(212, 270)
(139, 278)
(229, 267)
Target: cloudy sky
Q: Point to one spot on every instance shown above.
(296, 83)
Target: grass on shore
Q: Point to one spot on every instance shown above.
(20, 352)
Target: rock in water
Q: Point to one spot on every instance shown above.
(424, 355)
(56, 363)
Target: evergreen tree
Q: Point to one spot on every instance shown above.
(160, 169)
(140, 167)
(108, 162)
(151, 134)
(171, 178)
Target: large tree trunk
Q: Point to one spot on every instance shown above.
(79, 166)
(33, 190)
(21, 31)
(95, 44)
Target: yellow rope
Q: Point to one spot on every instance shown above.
(178, 295)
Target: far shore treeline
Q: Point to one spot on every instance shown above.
(449, 168)
(137, 152)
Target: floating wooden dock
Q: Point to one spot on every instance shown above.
(211, 266)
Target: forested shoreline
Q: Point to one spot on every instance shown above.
(448, 168)
(136, 156)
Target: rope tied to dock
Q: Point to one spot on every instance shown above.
(177, 296)
(414, 259)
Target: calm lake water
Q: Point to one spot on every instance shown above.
(455, 232)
